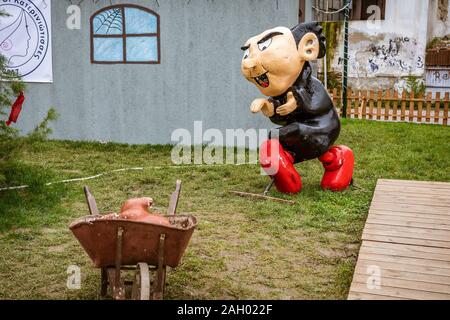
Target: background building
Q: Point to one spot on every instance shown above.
(134, 71)
(197, 78)
(385, 51)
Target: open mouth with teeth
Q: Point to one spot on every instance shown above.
(263, 80)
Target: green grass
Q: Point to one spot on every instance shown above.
(242, 248)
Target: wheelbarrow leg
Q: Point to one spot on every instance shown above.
(160, 281)
(114, 277)
(104, 284)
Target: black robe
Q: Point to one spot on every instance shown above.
(310, 130)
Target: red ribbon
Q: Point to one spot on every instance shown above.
(16, 109)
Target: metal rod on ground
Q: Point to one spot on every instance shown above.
(262, 197)
(269, 186)
(345, 75)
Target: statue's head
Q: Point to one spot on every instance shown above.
(274, 59)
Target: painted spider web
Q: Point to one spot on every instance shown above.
(110, 21)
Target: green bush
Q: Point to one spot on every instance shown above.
(10, 140)
(415, 85)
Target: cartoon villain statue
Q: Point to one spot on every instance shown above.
(277, 62)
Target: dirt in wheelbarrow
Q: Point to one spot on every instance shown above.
(183, 222)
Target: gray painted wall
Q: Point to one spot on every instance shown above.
(198, 79)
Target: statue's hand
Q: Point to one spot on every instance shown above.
(264, 106)
(289, 106)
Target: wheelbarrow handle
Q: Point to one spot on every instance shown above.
(173, 204)
(92, 204)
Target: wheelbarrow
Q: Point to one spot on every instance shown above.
(117, 245)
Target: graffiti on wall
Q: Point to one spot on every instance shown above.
(438, 77)
(392, 55)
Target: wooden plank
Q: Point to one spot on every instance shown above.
(409, 248)
(377, 213)
(379, 104)
(446, 101)
(405, 207)
(443, 207)
(385, 216)
(406, 267)
(349, 103)
(403, 106)
(387, 105)
(335, 95)
(406, 240)
(394, 252)
(420, 108)
(431, 184)
(400, 292)
(405, 284)
(423, 188)
(411, 106)
(437, 107)
(439, 201)
(364, 104)
(428, 112)
(405, 260)
(355, 110)
(407, 223)
(371, 104)
(414, 198)
(354, 295)
(410, 216)
(365, 268)
(415, 233)
(411, 189)
(395, 112)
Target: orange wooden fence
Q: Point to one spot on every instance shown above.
(389, 105)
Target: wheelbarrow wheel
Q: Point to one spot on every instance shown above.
(141, 283)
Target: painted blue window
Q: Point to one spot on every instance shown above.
(142, 49)
(138, 21)
(125, 34)
(108, 49)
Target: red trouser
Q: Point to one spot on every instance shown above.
(279, 164)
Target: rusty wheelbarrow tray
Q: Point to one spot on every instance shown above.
(118, 244)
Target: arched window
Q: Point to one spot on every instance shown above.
(125, 34)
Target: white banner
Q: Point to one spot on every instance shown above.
(25, 38)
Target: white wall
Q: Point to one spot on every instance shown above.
(438, 27)
(381, 53)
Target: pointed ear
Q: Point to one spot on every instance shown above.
(309, 47)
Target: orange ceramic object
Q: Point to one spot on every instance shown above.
(137, 210)
(143, 203)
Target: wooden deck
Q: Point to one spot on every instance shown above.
(405, 251)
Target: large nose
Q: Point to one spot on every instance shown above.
(249, 64)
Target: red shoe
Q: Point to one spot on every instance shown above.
(339, 163)
(279, 164)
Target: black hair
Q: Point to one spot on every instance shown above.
(303, 28)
